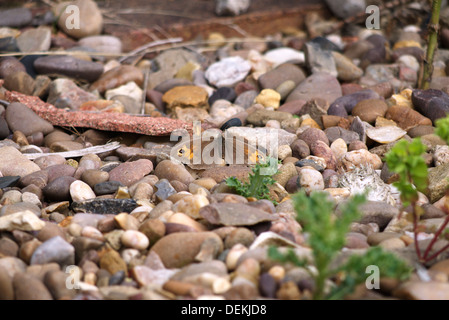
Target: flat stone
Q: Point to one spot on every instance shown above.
(233, 214)
(105, 206)
(283, 55)
(102, 43)
(385, 134)
(68, 66)
(319, 60)
(172, 171)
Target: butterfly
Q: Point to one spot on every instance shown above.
(212, 148)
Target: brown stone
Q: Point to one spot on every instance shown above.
(407, 118)
(369, 110)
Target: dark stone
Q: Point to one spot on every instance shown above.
(69, 66)
(9, 44)
(9, 181)
(225, 93)
(434, 104)
(59, 189)
(43, 19)
(108, 187)
(344, 105)
(28, 62)
(234, 122)
(104, 206)
(164, 190)
(117, 278)
(309, 163)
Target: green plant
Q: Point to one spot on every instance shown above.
(427, 67)
(257, 186)
(405, 159)
(326, 237)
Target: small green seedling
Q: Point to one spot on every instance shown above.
(405, 159)
(326, 237)
(257, 187)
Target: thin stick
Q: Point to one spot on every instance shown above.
(146, 74)
(149, 45)
(77, 153)
(436, 236)
(427, 67)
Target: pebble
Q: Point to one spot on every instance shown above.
(318, 85)
(356, 158)
(191, 205)
(280, 75)
(59, 189)
(64, 93)
(311, 135)
(228, 71)
(346, 69)
(385, 134)
(68, 66)
(21, 82)
(233, 214)
(90, 23)
(322, 150)
(368, 110)
(135, 239)
(35, 40)
(102, 43)
(181, 248)
(319, 60)
(261, 117)
(283, 55)
(13, 163)
(413, 290)
(23, 119)
(112, 262)
(407, 118)
(56, 250)
(129, 173)
(28, 287)
(80, 191)
(311, 180)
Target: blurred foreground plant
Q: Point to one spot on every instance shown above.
(326, 237)
(406, 159)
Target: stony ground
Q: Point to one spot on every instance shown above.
(138, 225)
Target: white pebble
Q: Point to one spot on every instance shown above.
(81, 191)
(135, 239)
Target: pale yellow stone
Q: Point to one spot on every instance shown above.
(184, 219)
(269, 98)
